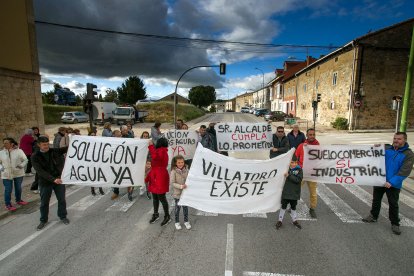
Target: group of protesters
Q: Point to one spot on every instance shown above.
(16, 161)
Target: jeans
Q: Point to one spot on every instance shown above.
(45, 194)
(177, 211)
(8, 188)
(156, 198)
(393, 195)
(313, 195)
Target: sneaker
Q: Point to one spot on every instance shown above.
(154, 218)
(369, 219)
(297, 224)
(167, 219)
(148, 195)
(114, 196)
(22, 202)
(312, 213)
(101, 191)
(93, 192)
(41, 225)
(141, 191)
(11, 208)
(65, 221)
(396, 229)
(187, 225)
(278, 225)
(177, 226)
(130, 196)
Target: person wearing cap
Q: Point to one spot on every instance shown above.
(48, 163)
(296, 137)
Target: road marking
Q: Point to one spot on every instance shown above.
(123, 204)
(229, 251)
(302, 210)
(248, 273)
(255, 215)
(407, 200)
(366, 197)
(344, 212)
(85, 202)
(206, 214)
(25, 241)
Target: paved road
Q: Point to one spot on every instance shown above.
(114, 238)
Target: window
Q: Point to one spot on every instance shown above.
(291, 106)
(317, 84)
(334, 78)
(304, 87)
(336, 59)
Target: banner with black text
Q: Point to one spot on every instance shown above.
(226, 185)
(105, 161)
(181, 142)
(242, 136)
(345, 164)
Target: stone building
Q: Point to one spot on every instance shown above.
(358, 80)
(245, 99)
(20, 93)
(231, 104)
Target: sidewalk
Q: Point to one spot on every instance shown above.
(27, 195)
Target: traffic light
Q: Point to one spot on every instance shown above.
(314, 104)
(90, 94)
(318, 98)
(87, 106)
(222, 68)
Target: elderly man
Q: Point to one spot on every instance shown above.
(296, 137)
(280, 142)
(48, 164)
(399, 160)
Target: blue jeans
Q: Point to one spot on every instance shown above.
(8, 188)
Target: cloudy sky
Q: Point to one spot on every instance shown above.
(73, 57)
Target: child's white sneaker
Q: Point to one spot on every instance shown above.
(187, 225)
(178, 226)
(141, 191)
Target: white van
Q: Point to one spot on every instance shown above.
(102, 112)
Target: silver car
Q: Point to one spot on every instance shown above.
(74, 117)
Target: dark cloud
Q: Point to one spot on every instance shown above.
(66, 51)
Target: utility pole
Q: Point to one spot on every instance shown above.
(262, 84)
(407, 94)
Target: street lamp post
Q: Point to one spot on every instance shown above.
(262, 84)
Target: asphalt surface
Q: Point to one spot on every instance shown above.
(118, 240)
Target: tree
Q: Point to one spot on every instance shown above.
(202, 96)
(48, 97)
(110, 96)
(100, 98)
(57, 86)
(131, 90)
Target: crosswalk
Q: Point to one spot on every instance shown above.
(336, 203)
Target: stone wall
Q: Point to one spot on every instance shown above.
(21, 106)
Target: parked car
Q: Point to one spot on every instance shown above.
(245, 109)
(276, 116)
(74, 117)
(252, 110)
(261, 112)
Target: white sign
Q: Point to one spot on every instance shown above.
(181, 142)
(105, 161)
(226, 185)
(345, 164)
(242, 136)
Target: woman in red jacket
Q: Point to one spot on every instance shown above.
(26, 145)
(158, 179)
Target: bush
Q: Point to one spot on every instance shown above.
(340, 123)
(164, 111)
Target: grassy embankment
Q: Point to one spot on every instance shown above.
(158, 111)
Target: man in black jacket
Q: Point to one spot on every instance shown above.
(48, 163)
(280, 143)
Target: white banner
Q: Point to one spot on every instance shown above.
(242, 136)
(226, 185)
(181, 142)
(105, 161)
(345, 164)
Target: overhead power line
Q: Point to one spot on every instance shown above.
(186, 39)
